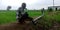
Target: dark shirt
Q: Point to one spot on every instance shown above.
(19, 12)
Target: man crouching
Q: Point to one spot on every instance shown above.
(21, 14)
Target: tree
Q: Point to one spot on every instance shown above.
(8, 8)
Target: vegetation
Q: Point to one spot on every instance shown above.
(50, 9)
(8, 8)
(49, 19)
(10, 16)
(7, 16)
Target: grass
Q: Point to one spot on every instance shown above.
(7, 16)
(53, 16)
(10, 16)
(45, 22)
(34, 13)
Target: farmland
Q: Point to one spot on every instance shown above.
(50, 19)
(10, 16)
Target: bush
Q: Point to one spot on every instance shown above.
(50, 9)
(56, 9)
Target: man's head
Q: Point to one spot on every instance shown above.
(23, 5)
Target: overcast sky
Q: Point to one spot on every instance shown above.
(31, 4)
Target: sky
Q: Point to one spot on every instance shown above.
(31, 4)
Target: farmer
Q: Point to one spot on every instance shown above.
(20, 12)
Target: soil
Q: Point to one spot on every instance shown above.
(14, 26)
(25, 26)
(56, 26)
